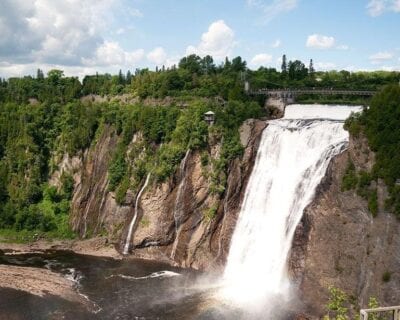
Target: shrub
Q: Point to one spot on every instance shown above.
(373, 203)
(350, 179)
(386, 276)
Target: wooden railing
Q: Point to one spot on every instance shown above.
(384, 313)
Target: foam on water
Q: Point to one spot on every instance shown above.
(159, 274)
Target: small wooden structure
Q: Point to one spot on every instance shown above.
(209, 117)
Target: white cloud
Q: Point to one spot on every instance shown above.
(277, 43)
(261, 59)
(61, 34)
(396, 6)
(157, 56)
(320, 41)
(110, 53)
(378, 7)
(218, 41)
(390, 68)
(381, 57)
(274, 8)
(52, 31)
(324, 66)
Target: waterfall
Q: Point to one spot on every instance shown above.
(292, 158)
(178, 202)
(132, 224)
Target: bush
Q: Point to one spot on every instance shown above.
(373, 203)
(386, 276)
(120, 192)
(210, 213)
(117, 169)
(350, 179)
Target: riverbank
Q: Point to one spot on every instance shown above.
(39, 282)
(98, 247)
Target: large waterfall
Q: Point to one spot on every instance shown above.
(293, 156)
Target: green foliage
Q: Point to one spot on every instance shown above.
(120, 193)
(168, 158)
(210, 213)
(118, 167)
(373, 303)
(350, 179)
(337, 309)
(373, 203)
(386, 276)
(352, 124)
(381, 124)
(362, 182)
(43, 118)
(340, 306)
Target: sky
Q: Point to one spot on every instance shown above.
(88, 36)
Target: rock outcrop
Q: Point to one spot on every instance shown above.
(180, 221)
(338, 242)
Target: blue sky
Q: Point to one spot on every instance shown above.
(85, 36)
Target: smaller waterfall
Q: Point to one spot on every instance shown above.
(132, 224)
(178, 201)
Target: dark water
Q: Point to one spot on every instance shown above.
(117, 289)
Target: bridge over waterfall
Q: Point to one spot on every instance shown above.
(292, 93)
(279, 98)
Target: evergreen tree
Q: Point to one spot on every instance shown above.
(284, 65)
(39, 74)
(311, 69)
(121, 78)
(128, 77)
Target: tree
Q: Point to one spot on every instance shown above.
(39, 74)
(191, 63)
(128, 77)
(284, 65)
(238, 64)
(311, 69)
(121, 78)
(55, 75)
(207, 64)
(297, 70)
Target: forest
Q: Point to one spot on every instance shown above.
(43, 117)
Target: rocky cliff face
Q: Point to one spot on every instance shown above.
(338, 242)
(181, 221)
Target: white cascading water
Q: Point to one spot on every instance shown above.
(292, 158)
(178, 203)
(132, 224)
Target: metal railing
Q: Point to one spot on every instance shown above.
(384, 313)
(321, 91)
